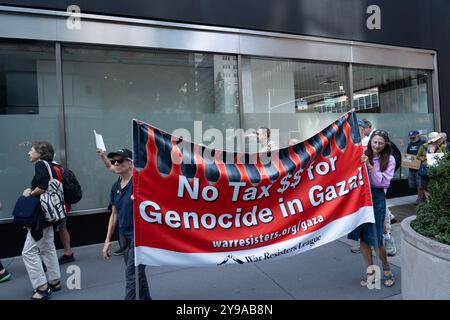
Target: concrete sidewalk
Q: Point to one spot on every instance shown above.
(327, 272)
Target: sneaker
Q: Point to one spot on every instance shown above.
(118, 252)
(391, 250)
(5, 276)
(355, 248)
(66, 259)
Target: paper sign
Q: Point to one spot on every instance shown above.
(432, 158)
(410, 161)
(99, 141)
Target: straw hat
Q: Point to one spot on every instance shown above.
(433, 137)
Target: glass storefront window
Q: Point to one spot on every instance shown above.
(297, 98)
(105, 88)
(28, 112)
(396, 100)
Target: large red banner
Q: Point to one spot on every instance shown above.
(192, 207)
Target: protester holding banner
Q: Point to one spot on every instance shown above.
(40, 239)
(366, 130)
(122, 212)
(381, 165)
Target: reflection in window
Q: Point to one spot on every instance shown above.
(105, 88)
(396, 100)
(19, 81)
(28, 112)
(298, 98)
(396, 90)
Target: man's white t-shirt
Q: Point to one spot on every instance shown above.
(365, 140)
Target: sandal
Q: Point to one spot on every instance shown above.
(44, 294)
(55, 286)
(388, 279)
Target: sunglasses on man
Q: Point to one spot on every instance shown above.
(118, 161)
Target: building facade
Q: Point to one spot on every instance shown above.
(67, 69)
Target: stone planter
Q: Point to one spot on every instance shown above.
(425, 265)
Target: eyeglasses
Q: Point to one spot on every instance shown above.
(119, 161)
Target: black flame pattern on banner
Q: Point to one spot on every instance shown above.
(335, 135)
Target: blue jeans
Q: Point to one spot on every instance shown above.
(372, 233)
(130, 273)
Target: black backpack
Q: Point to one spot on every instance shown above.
(71, 186)
(397, 156)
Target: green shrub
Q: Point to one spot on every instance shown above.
(433, 217)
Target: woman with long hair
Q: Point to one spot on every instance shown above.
(381, 167)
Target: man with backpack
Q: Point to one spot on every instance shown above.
(72, 194)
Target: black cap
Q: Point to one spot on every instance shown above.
(124, 153)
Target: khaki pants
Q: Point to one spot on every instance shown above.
(32, 253)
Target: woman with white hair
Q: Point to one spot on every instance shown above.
(432, 146)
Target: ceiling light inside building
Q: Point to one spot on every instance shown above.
(328, 82)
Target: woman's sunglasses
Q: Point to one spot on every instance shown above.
(382, 133)
(119, 161)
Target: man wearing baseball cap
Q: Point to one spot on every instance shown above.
(122, 212)
(414, 180)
